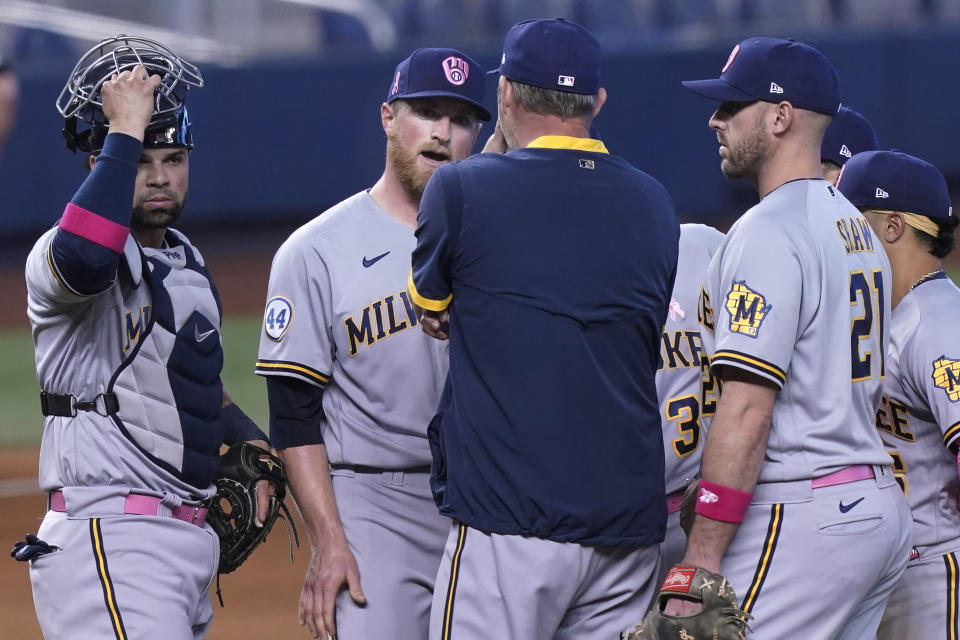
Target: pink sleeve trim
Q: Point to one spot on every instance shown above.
(93, 227)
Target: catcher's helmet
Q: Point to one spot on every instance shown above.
(80, 99)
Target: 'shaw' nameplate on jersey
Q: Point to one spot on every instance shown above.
(277, 317)
(747, 308)
(946, 375)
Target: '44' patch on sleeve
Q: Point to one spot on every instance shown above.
(747, 308)
(946, 375)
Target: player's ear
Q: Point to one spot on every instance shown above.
(782, 117)
(388, 114)
(91, 160)
(600, 100)
(894, 227)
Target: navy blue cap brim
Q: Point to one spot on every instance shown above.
(718, 89)
(483, 113)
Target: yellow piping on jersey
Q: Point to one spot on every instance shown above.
(452, 587)
(763, 567)
(950, 560)
(108, 595)
(56, 274)
(568, 142)
(753, 362)
(951, 433)
(426, 303)
(292, 367)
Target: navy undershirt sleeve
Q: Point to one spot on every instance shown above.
(296, 410)
(86, 266)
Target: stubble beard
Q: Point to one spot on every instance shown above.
(144, 218)
(745, 158)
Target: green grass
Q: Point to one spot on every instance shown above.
(21, 422)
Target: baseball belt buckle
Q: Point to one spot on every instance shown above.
(105, 404)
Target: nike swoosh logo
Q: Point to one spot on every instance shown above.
(200, 337)
(373, 261)
(846, 507)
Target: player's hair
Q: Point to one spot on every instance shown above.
(829, 165)
(942, 245)
(549, 102)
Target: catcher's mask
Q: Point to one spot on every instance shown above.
(80, 100)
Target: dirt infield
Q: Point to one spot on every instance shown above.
(260, 597)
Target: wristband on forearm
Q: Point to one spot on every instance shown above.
(718, 502)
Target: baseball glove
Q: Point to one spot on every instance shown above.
(719, 619)
(234, 510)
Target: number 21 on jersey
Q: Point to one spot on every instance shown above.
(867, 297)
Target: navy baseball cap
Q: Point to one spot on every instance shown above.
(552, 54)
(772, 69)
(895, 181)
(849, 133)
(429, 72)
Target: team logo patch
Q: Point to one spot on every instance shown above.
(277, 317)
(679, 579)
(946, 376)
(456, 69)
(733, 54)
(747, 308)
(587, 164)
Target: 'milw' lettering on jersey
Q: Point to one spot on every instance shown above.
(894, 417)
(946, 375)
(133, 329)
(378, 320)
(856, 234)
(680, 349)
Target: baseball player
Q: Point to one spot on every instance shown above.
(686, 399)
(848, 133)
(795, 310)
(553, 264)
(908, 206)
(353, 384)
(125, 323)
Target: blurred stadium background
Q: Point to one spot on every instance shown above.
(287, 125)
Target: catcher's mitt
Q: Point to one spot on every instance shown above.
(234, 510)
(719, 619)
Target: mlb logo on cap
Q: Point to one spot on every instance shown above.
(431, 72)
(566, 81)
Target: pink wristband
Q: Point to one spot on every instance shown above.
(718, 502)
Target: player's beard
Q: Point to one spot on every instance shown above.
(413, 176)
(144, 218)
(744, 158)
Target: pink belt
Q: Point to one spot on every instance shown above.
(675, 501)
(847, 474)
(140, 505)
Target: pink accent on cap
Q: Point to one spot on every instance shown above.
(396, 84)
(140, 505)
(456, 69)
(733, 54)
(94, 228)
(718, 502)
(847, 474)
(675, 501)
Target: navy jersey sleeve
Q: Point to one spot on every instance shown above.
(441, 204)
(296, 411)
(85, 252)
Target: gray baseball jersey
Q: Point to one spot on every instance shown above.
(679, 385)
(799, 293)
(338, 316)
(918, 420)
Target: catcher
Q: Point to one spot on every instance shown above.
(125, 321)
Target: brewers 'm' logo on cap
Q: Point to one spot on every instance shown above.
(456, 69)
(733, 54)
